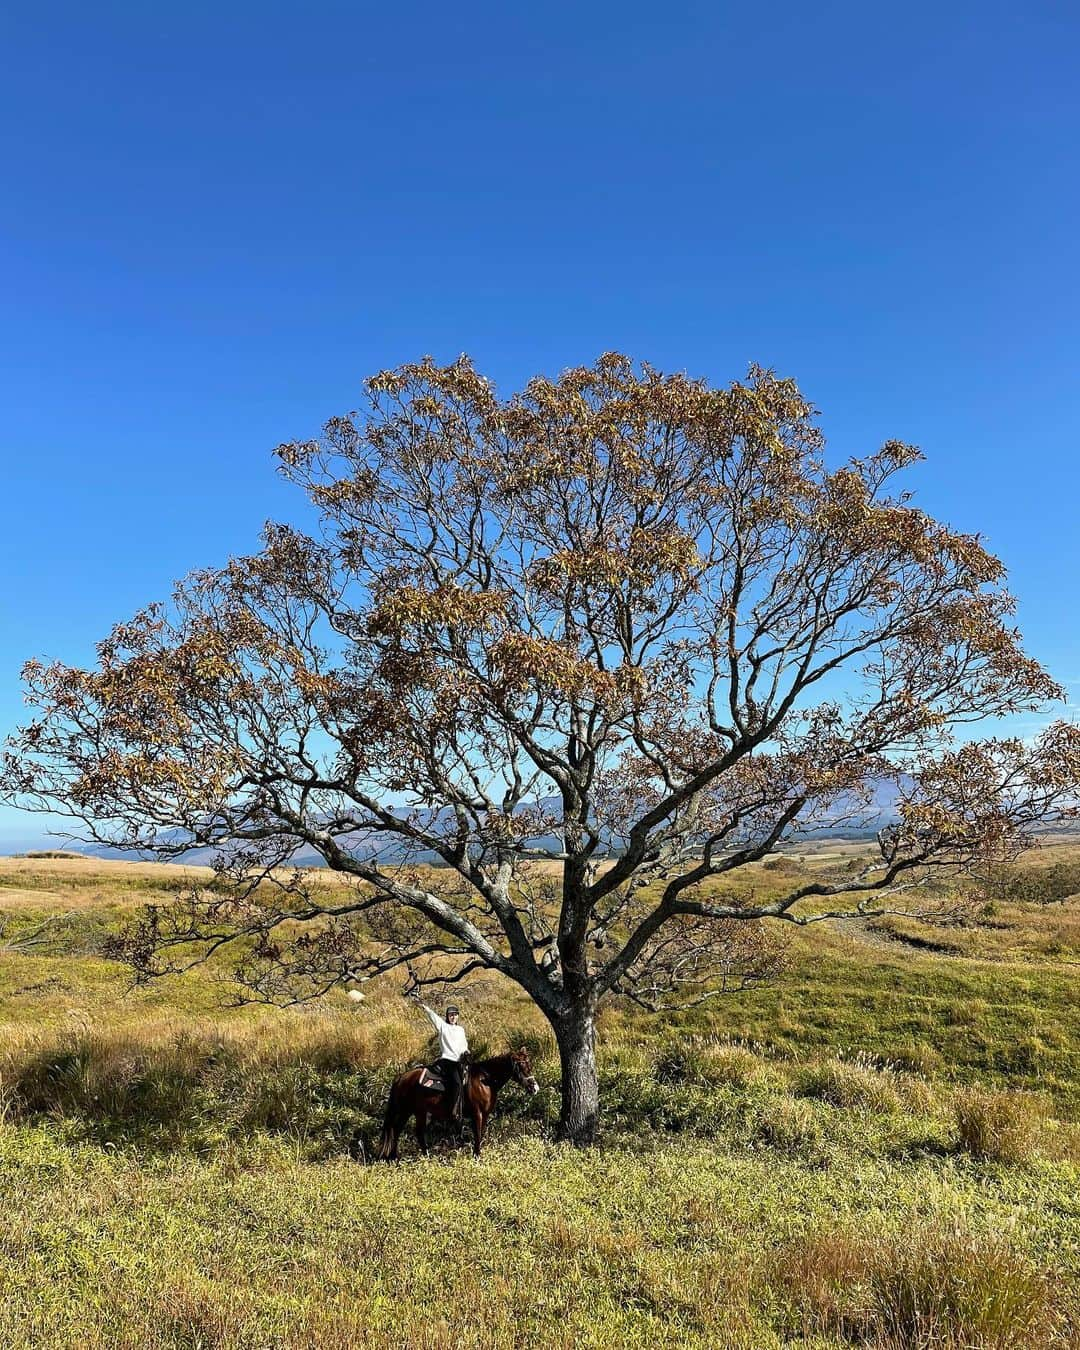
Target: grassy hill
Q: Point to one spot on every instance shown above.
(880, 1148)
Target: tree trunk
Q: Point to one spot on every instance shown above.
(576, 1038)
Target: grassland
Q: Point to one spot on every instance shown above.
(881, 1148)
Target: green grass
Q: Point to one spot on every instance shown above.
(880, 1149)
(1005, 1024)
(676, 1244)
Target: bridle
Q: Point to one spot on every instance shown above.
(523, 1074)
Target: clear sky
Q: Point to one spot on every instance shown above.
(217, 218)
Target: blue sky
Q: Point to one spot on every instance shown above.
(216, 219)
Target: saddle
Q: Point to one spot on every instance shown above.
(430, 1079)
(434, 1082)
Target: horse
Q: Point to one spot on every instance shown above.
(485, 1080)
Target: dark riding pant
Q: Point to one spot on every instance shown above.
(449, 1070)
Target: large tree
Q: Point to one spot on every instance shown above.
(588, 649)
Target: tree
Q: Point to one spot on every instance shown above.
(589, 649)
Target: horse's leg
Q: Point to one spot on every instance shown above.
(399, 1129)
(479, 1120)
(421, 1129)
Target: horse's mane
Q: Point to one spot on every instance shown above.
(497, 1064)
(494, 1061)
(491, 1061)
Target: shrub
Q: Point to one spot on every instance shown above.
(916, 1094)
(786, 866)
(53, 853)
(161, 1085)
(636, 1102)
(675, 1066)
(1045, 885)
(997, 1126)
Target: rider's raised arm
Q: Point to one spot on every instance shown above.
(433, 1017)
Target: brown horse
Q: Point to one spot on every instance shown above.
(485, 1080)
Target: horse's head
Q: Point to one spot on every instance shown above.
(523, 1071)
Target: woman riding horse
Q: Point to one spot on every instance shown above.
(409, 1097)
(453, 1048)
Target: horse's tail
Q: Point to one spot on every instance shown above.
(387, 1146)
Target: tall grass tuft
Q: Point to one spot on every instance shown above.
(168, 1083)
(791, 1127)
(709, 1062)
(935, 1286)
(964, 1290)
(998, 1126)
(849, 1083)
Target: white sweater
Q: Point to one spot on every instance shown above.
(453, 1043)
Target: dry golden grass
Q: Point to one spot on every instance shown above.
(933, 1285)
(1000, 932)
(86, 883)
(999, 1126)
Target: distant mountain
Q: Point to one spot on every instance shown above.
(842, 822)
(865, 821)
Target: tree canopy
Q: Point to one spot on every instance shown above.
(587, 648)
